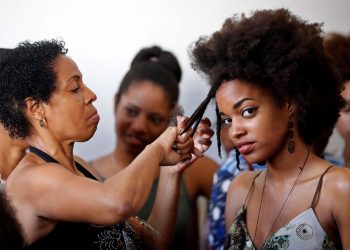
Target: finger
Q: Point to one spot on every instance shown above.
(183, 138)
(205, 122)
(203, 142)
(205, 131)
(197, 152)
(185, 144)
(181, 121)
(185, 157)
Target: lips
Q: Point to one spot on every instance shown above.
(245, 147)
(94, 116)
(135, 140)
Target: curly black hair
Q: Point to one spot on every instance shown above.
(156, 65)
(338, 47)
(11, 236)
(26, 72)
(280, 52)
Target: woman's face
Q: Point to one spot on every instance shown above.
(257, 125)
(142, 114)
(70, 113)
(343, 123)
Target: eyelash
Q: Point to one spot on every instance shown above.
(251, 112)
(226, 121)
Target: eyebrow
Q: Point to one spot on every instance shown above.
(239, 103)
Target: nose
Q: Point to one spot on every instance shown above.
(90, 96)
(236, 130)
(140, 124)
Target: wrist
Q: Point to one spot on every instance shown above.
(158, 151)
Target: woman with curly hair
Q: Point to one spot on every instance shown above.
(60, 204)
(278, 92)
(143, 106)
(11, 152)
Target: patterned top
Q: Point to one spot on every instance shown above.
(85, 236)
(221, 181)
(302, 232)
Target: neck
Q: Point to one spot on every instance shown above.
(286, 165)
(62, 152)
(122, 158)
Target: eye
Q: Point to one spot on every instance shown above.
(157, 120)
(226, 121)
(131, 111)
(75, 90)
(249, 112)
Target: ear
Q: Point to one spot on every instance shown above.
(34, 109)
(291, 108)
(116, 102)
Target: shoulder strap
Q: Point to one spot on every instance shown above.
(251, 188)
(42, 154)
(318, 188)
(49, 158)
(85, 172)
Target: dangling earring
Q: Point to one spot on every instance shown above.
(42, 123)
(291, 144)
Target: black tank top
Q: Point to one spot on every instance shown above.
(84, 236)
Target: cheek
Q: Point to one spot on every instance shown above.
(343, 124)
(156, 131)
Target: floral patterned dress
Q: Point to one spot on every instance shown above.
(302, 232)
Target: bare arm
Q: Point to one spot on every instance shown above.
(55, 193)
(341, 204)
(163, 215)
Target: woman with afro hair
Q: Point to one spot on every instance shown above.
(277, 91)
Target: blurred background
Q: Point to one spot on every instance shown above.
(103, 36)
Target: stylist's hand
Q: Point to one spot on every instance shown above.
(202, 141)
(175, 147)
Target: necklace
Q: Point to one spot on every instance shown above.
(284, 202)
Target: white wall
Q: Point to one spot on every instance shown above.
(102, 37)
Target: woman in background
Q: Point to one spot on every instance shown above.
(146, 100)
(338, 48)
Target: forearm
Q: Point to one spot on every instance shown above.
(163, 215)
(132, 185)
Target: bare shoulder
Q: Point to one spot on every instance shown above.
(101, 161)
(237, 194)
(241, 184)
(88, 167)
(338, 181)
(199, 177)
(36, 178)
(104, 166)
(203, 165)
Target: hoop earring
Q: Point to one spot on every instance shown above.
(42, 123)
(291, 144)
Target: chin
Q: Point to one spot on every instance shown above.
(87, 136)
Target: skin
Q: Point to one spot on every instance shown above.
(142, 113)
(59, 192)
(343, 123)
(251, 114)
(11, 152)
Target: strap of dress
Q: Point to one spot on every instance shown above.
(42, 154)
(251, 188)
(318, 188)
(49, 158)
